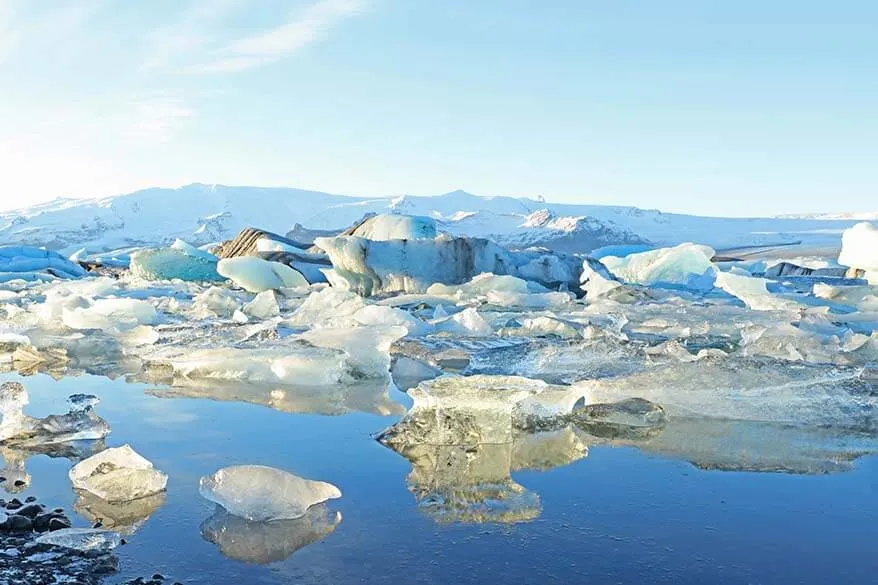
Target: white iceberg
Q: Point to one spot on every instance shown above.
(687, 266)
(191, 250)
(859, 249)
(110, 315)
(388, 226)
(118, 474)
(257, 275)
(329, 307)
(259, 493)
(271, 245)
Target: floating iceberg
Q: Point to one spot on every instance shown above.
(267, 542)
(174, 263)
(257, 275)
(118, 474)
(686, 266)
(110, 315)
(82, 539)
(374, 267)
(859, 249)
(259, 493)
(31, 263)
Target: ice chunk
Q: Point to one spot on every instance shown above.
(466, 323)
(16, 428)
(687, 265)
(173, 263)
(82, 539)
(286, 363)
(260, 493)
(118, 474)
(111, 315)
(27, 260)
(754, 292)
(330, 307)
(263, 306)
(257, 275)
(459, 410)
(267, 542)
(481, 285)
(597, 282)
(626, 419)
(859, 249)
(191, 250)
(215, 301)
(387, 226)
(541, 326)
(381, 315)
(367, 348)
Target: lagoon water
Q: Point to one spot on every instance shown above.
(617, 515)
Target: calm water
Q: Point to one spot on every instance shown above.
(616, 516)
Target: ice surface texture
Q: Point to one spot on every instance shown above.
(687, 265)
(118, 474)
(32, 263)
(257, 275)
(171, 263)
(259, 493)
(82, 539)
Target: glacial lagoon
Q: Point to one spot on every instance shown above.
(567, 507)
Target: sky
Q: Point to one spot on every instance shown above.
(704, 106)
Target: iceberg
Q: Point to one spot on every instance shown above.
(859, 249)
(191, 250)
(118, 474)
(36, 264)
(388, 226)
(110, 315)
(371, 267)
(267, 542)
(174, 263)
(753, 291)
(82, 539)
(259, 493)
(686, 266)
(257, 275)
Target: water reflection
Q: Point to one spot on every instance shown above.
(17, 479)
(123, 517)
(267, 542)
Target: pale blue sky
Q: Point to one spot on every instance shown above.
(737, 107)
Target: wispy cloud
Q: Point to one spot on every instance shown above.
(153, 119)
(303, 27)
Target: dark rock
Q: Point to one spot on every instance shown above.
(30, 499)
(19, 483)
(158, 577)
(98, 524)
(30, 510)
(14, 504)
(41, 522)
(106, 566)
(17, 523)
(58, 524)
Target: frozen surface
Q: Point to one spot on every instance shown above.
(30, 262)
(397, 227)
(118, 474)
(259, 493)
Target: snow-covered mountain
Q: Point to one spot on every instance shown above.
(207, 213)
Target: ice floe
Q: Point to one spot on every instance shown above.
(259, 493)
(118, 474)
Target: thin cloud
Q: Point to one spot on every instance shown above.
(154, 119)
(274, 44)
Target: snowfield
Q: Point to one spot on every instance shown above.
(200, 214)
